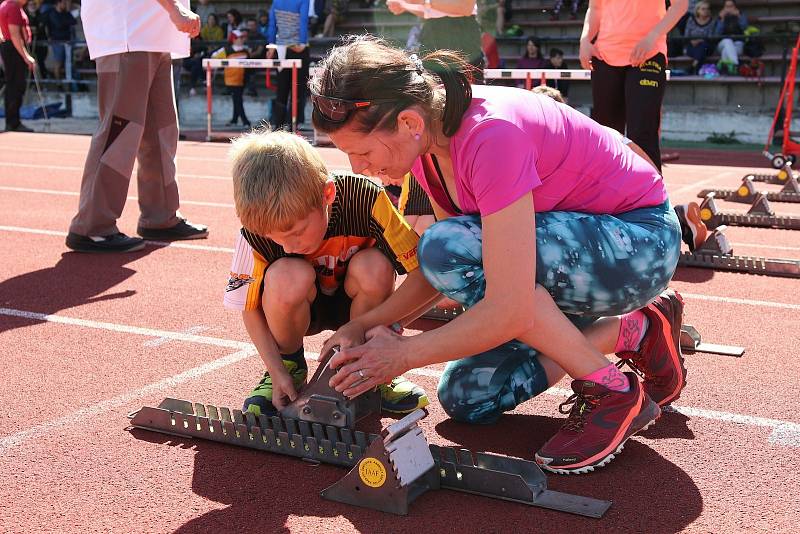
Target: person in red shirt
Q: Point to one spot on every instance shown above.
(15, 34)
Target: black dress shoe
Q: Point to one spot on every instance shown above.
(183, 230)
(111, 243)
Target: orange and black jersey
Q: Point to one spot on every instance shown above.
(413, 199)
(361, 216)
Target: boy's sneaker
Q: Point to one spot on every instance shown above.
(600, 422)
(181, 231)
(693, 229)
(118, 242)
(402, 396)
(659, 360)
(259, 402)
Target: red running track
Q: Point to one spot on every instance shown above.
(87, 339)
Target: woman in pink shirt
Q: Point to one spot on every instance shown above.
(624, 43)
(556, 237)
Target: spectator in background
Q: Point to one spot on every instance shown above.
(255, 43)
(700, 28)
(731, 22)
(334, 12)
(203, 10)
(15, 35)
(288, 31)
(448, 25)
(234, 22)
(573, 12)
(532, 58)
(263, 24)
(624, 44)
(235, 76)
(60, 27)
(556, 61)
(37, 16)
(212, 31)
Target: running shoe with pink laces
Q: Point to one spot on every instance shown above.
(659, 360)
(600, 422)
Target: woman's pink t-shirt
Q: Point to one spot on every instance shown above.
(512, 142)
(623, 24)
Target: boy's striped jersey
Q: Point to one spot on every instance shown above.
(361, 216)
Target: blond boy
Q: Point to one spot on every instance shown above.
(315, 250)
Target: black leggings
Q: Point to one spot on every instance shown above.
(631, 96)
(281, 115)
(238, 105)
(16, 82)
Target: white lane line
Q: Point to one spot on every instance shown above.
(695, 185)
(121, 400)
(162, 244)
(164, 340)
(746, 302)
(83, 153)
(75, 194)
(783, 432)
(72, 168)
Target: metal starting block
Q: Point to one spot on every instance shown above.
(779, 179)
(759, 215)
(320, 403)
(690, 337)
(717, 253)
(692, 342)
(389, 470)
(747, 193)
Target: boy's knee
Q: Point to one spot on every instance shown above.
(371, 271)
(288, 282)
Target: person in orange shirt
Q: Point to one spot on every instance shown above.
(625, 46)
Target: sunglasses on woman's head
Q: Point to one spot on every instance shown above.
(338, 110)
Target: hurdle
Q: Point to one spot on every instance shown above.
(211, 64)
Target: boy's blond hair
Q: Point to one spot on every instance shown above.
(278, 180)
(552, 92)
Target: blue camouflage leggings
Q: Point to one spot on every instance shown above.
(593, 265)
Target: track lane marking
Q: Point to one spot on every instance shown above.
(132, 198)
(80, 169)
(784, 433)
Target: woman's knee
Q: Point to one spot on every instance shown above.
(463, 407)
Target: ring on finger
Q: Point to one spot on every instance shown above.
(361, 374)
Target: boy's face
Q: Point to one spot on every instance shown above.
(306, 235)
(557, 60)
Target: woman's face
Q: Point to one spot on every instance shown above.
(385, 155)
(533, 50)
(231, 18)
(702, 9)
(212, 20)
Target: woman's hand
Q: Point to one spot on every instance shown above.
(349, 335)
(366, 366)
(642, 48)
(587, 51)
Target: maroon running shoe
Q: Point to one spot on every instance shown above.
(659, 360)
(600, 422)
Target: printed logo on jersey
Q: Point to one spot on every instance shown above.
(238, 280)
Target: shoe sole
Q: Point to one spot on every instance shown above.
(422, 402)
(696, 224)
(646, 418)
(163, 239)
(98, 250)
(676, 356)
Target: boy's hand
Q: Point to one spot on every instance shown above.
(283, 391)
(349, 335)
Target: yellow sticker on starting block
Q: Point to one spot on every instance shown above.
(743, 191)
(782, 175)
(705, 214)
(372, 472)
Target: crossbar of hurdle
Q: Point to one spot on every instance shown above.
(211, 64)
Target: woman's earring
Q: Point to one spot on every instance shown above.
(417, 137)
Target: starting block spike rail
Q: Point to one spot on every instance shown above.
(760, 215)
(717, 253)
(388, 471)
(746, 193)
(779, 179)
(690, 338)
